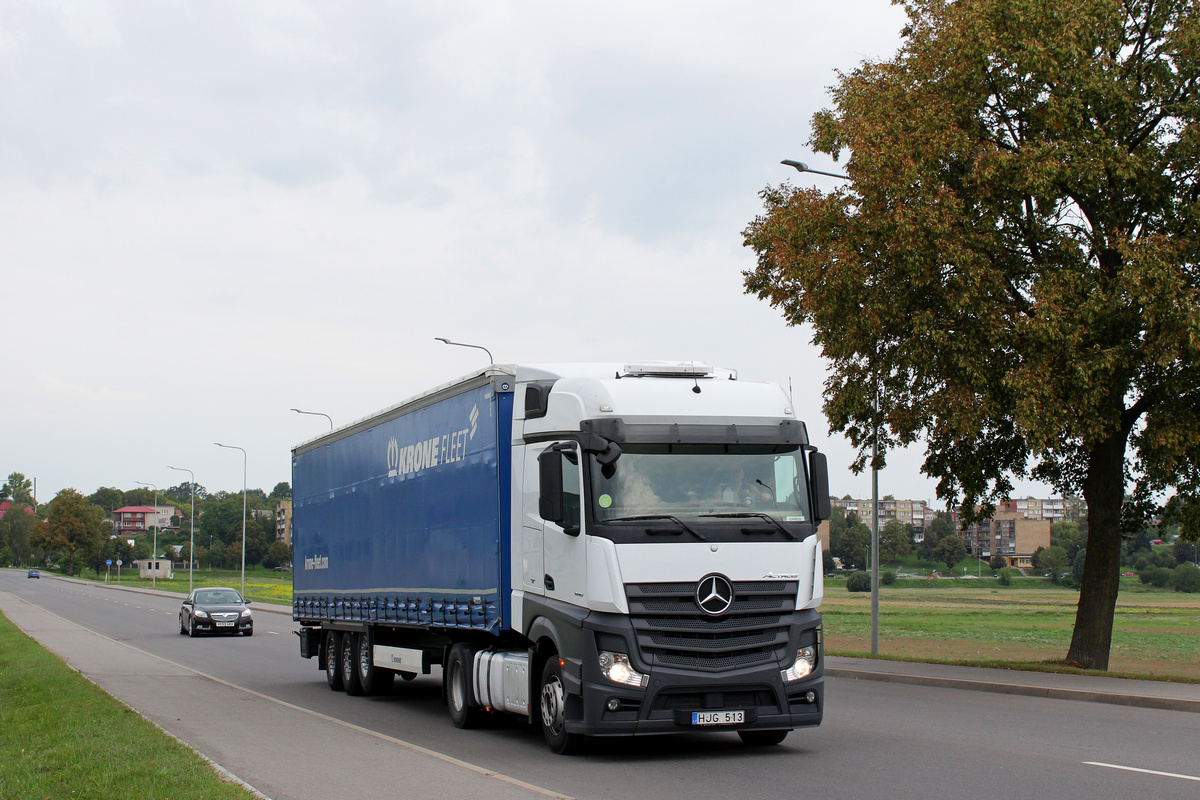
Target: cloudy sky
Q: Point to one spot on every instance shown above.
(212, 212)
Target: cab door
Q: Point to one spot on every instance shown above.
(564, 541)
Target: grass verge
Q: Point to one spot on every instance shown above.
(62, 736)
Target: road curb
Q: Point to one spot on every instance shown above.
(1050, 692)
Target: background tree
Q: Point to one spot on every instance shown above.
(1052, 560)
(950, 551)
(854, 546)
(73, 527)
(895, 540)
(279, 554)
(1013, 265)
(17, 489)
(15, 527)
(282, 491)
(107, 498)
(939, 528)
(998, 562)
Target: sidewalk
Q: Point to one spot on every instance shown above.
(1094, 689)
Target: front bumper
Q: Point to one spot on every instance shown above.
(671, 696)
(209, 626)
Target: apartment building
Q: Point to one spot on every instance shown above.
(1008, 534)
(909, 512)
(283, 521)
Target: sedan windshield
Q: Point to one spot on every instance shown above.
(694, 485)
(218, 598)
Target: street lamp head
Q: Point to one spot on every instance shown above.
(800, 166)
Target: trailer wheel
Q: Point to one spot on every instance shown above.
(458, 688)
(332, 648)
(762, 738)
(348, 667)
(552, 704)
(408, 676)
(373, 679)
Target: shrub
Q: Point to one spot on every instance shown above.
(1006, 576)
(858, 582)
(1156, 576)
(887, 578)
(1186, 578)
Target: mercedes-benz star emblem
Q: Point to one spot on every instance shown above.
(714, 595)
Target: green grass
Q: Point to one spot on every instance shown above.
(262, 585)
(1155, 634)
(61, 736)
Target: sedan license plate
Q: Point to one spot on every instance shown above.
(224, 624)
(718, 717)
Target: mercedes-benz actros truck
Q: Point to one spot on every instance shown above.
(603, 549)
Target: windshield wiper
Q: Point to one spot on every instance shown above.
(669, 517)
(767, 517)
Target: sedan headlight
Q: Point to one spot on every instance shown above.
(802, 667)
(246, 613)
(616, 668)
(199, 613)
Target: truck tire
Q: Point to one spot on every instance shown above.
(762, 738)
(373, 679)
(552, 703)
(459, 692)
(347, 664)
(333, 647)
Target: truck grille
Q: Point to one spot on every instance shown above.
(672, 631)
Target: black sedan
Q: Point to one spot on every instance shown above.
(215, 610)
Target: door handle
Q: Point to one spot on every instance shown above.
(549, 582)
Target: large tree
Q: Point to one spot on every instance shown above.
(1013, 264)
(73, 527)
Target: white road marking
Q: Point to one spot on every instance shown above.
(273, 633)
(1144, 771)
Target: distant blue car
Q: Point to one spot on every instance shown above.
(33, 573)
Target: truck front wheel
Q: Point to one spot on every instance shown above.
(332, 647)
(552, 705)
(458, 688)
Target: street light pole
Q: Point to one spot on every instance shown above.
(461, 344)
(235, 447)
(316, 414)
(154, 573)
(800, 166)
(191, 526)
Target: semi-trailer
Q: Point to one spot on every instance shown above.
(603, 549)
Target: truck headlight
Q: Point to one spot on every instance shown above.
(802, 667)
(616, 668)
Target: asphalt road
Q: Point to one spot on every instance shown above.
(878, 739)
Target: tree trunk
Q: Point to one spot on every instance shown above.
(1104, 490)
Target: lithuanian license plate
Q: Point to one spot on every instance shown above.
(718, 717)
(224, 624)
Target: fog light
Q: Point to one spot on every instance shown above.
(616, 667)
(802, 667)
(810, 697)
(613, 704)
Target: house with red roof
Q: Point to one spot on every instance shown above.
(142, 519)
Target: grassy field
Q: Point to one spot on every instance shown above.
(61, 736)
(262, 585)
(1156, 633)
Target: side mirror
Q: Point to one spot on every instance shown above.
(818, 470)
(550, 486)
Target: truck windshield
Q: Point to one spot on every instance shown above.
(694, 485)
